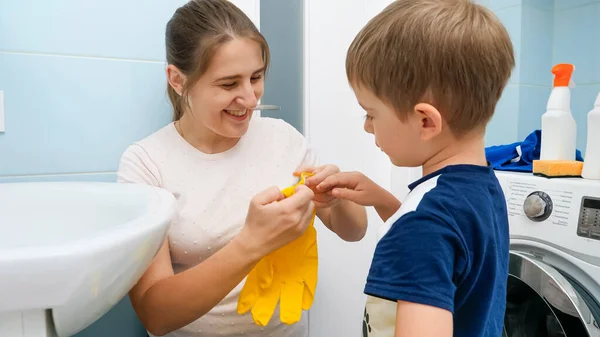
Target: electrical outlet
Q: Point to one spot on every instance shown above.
(2, 129)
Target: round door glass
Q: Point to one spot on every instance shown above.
(540, 302)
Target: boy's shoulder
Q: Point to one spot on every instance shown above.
(449, 194)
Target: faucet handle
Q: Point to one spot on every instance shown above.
(267, 107)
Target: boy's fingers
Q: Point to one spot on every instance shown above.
(320, 175)
(347, 194)
(342, 179)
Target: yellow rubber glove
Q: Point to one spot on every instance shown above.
(287, 275)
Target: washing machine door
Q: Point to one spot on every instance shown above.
(542, 302)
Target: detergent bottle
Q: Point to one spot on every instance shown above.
(559, 129)
(591, 164)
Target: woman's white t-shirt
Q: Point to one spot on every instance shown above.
(213, 193)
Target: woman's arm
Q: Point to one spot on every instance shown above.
(165, 301)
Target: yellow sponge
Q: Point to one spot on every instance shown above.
(557, 168)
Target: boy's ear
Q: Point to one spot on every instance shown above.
(429, 121)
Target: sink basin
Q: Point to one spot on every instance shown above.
(69, 251)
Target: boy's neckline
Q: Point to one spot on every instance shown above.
(453, 168)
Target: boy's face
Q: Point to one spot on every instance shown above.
(402, 141)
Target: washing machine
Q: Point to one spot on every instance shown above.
(554, 271)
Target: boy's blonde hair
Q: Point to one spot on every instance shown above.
(453, 54)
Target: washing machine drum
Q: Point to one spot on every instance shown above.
(543, 302)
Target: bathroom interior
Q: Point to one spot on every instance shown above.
(81, 80)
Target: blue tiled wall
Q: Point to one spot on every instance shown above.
(544, 33)
(79, 88)
(535, 59)
(82, 80)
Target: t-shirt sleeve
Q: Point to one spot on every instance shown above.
(310, 158)
(136, 166)
(297, 142)
(416, 261)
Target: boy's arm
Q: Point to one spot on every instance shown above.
(356, 187)
(415, 265)
(386, 203)
(419, 320)
(347, 219)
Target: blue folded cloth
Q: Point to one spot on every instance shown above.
(518, 156)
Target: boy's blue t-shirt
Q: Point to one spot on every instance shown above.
(448, 247)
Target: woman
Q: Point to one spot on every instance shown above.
(218, 161)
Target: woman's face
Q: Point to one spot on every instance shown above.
(223, 99)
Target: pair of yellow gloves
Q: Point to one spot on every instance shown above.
(287, 275)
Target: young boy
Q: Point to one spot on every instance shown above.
(429, 74)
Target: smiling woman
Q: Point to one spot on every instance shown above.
(219, 162)
(219, 105)
(219, 81)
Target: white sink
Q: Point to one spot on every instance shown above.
(69, 251)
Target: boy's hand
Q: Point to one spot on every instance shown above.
(353, 186)
(344, 217)
(322, 198)
(358, 188)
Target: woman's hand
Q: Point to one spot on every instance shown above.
(274, 221)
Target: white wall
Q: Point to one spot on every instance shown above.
(334, 126)
(251, 8)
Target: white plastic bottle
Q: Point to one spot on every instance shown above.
(559, 129)
(591, 164)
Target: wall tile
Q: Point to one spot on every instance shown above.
(66, 115)
(536, 46)
(574, 41)
(582, 101)
(502, 129)
(532, 104)
(566, 4)
(485, 3)
(511, 19)
(91, 177)
(540, 4)
(500, 4)
(120, 321)
(108, 28)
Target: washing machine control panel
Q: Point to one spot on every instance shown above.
(561, 212)
(589, 218)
